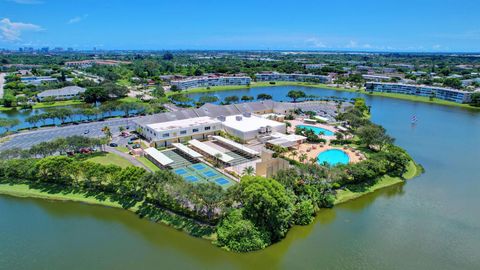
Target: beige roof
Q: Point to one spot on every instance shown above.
(211, 151)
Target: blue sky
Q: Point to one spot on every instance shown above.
(401, 25)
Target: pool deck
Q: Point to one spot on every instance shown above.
(299, 122)
(313, 150)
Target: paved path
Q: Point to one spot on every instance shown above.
(25, 140)
(2, 82)
(128, 157)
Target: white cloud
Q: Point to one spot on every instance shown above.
(77, 19)
(315, 43)
(12, 31)
(27, 2)
(351, 44)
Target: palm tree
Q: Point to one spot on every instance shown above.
(303, 157)
(294, 154)
(313, 160)
(107, 132)
(217, 158)
(248, 170)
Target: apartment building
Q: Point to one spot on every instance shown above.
(207, 81)
(294, 77)
(449, 94)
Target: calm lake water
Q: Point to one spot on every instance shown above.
(431, 222)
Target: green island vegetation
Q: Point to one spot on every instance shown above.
(248, 216)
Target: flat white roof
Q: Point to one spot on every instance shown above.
(158, 156)
(211, 151)
(187, 150)
(185, 123)
(251, 123)
(289, 137)
(236, 145)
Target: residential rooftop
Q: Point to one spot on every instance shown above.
(184, 123)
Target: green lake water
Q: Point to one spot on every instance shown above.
(431, 222)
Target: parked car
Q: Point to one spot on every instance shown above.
(135, 146)
(86, 131)
(133, 138)
(113, 144)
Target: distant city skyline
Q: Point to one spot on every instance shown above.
(376, 26)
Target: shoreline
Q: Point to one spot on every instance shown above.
(325, 86)
(178, 222)
(166, 218)
(346, 195)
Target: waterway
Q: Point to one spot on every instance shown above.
(431, 222)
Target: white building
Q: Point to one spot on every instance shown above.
(178, 131)
(376, 78)
(69, 92)
(206, 81)
(294, 77)
(248, 126)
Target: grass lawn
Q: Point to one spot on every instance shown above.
(23, 190)
(348, 194)
(57, 103)
(123, 149)
(110, 159)
(130, 100)
(148, 163)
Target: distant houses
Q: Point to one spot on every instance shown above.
(91, 62)
(69, 92)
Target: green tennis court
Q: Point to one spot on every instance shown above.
(202, 173)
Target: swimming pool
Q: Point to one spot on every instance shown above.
(317, 130)
(333, 157)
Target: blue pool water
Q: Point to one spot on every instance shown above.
(317, 130)
(333, 157)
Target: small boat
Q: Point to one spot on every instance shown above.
(414, 120)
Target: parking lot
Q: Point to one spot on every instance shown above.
(94, 130)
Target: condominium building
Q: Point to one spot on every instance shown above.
(376, 78)
(207, 81)
(294, 77)
(449, 94)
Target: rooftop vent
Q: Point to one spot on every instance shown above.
(238, 118)
(247, 114)
(222, 118)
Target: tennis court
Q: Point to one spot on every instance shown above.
(202, 173)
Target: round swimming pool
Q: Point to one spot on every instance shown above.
(317, 130)
(333, 157)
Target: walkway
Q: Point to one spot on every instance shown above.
(128, 157)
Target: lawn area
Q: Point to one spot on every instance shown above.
(129, 100)
(149, 164)
(110, 159)
(57, 103)
(348, 194)
(123, 149)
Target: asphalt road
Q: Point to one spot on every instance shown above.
(94, 130)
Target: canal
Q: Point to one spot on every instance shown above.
(431, 222)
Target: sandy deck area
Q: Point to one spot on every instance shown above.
(313, 150)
